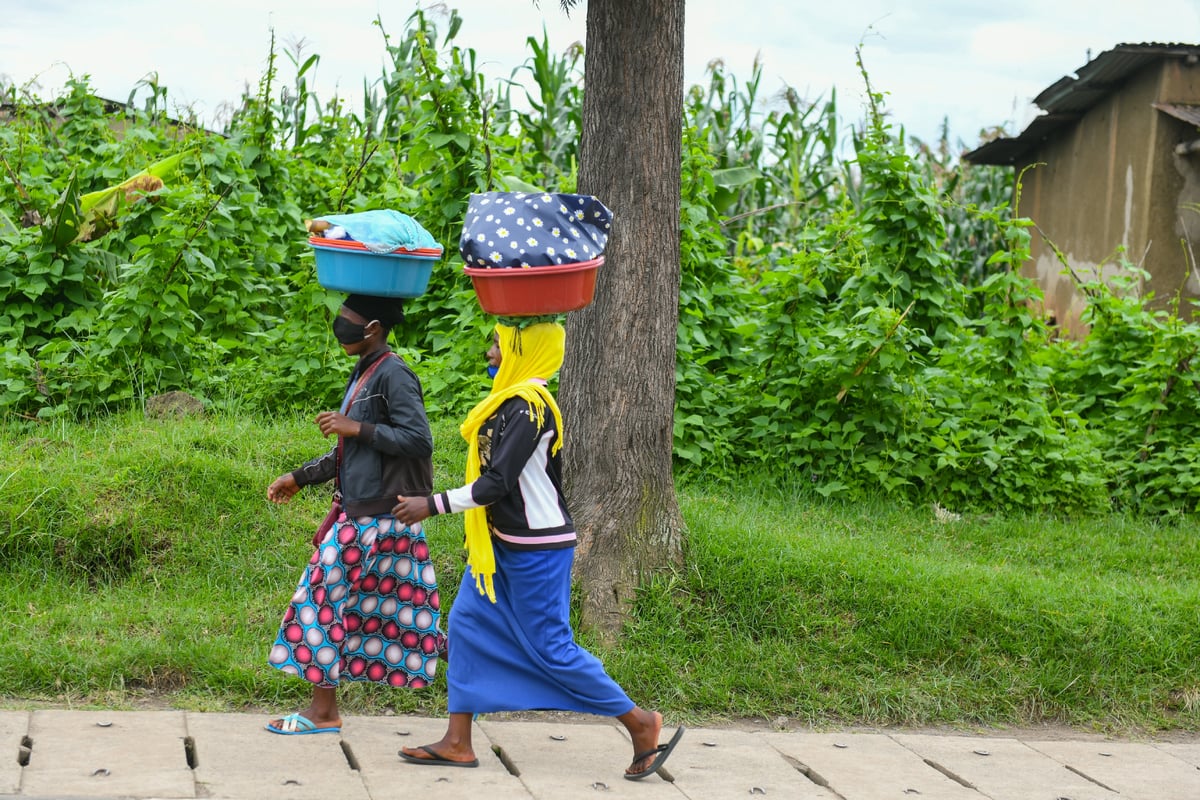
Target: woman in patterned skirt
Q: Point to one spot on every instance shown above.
(366, 606)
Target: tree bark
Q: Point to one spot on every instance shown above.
(617, 387)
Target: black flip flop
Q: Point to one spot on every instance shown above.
(436, 760)
(663, 751)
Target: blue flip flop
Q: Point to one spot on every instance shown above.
(298, 725)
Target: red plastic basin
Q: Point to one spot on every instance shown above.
(533, 291)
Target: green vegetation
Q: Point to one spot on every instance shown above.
(851, 307)
(143, 559)
(855, 336)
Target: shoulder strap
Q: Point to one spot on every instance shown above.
(361, 382)
(366, 376)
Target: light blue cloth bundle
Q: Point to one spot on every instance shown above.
(384, 230)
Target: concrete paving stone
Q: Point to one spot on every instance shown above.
(236, 757)
(1184, 751)
(867, 766)
(375, 743)
(1003, 769)
(563, 761)
(81, 755)
(1133, 770)
(14, 726)
(716, 763)
(107, 754)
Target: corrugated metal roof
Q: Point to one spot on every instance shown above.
(1068, 98)
(1004, 151)
(1181, 112)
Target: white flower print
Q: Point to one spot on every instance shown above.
(537, 222)
(502, 231)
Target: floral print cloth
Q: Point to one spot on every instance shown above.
(527, 229)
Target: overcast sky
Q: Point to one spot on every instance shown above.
(977, 64)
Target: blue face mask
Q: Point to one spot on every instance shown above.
(492, 371)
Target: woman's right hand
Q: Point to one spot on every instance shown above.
(282, 489)
(411, 510)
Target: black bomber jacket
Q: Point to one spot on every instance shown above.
(393, 453)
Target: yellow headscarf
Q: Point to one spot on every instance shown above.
(528, 356)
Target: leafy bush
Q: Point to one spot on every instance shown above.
(857, 322)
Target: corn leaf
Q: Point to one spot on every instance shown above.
(62, 226)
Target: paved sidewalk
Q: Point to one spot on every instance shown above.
(177, 754)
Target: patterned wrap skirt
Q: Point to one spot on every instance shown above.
(366, 608)
(519, 653)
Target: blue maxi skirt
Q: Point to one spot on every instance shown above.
(519, 653)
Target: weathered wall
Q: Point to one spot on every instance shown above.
(1187, 219)
(1110, 190)
(1180, 183)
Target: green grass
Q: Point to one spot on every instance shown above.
(881, 616)
(144, 561)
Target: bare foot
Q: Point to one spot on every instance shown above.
(645, 740)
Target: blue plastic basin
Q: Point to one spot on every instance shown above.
(359, 271)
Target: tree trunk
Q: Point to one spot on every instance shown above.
(617, 387)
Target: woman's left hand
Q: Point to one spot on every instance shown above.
(331, 422)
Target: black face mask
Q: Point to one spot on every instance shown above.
(347, 332)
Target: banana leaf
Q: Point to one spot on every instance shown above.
(162, 170)
(729, 183)
(98, 210)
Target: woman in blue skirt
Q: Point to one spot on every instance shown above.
(513, 646)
